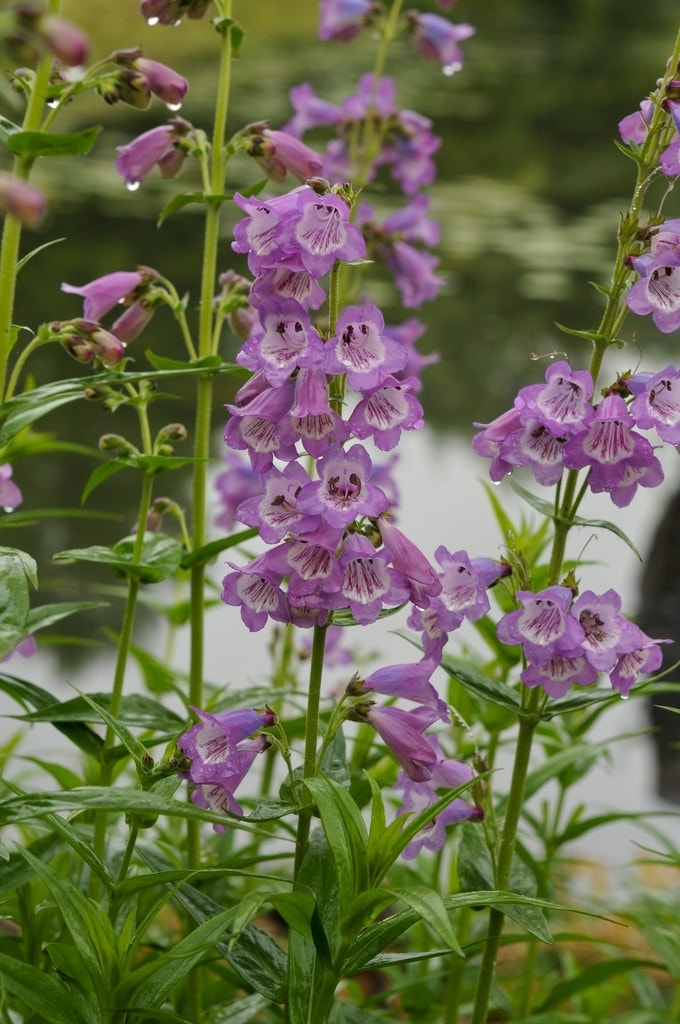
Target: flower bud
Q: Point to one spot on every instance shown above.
(21, 199)
(173, 432)
(116, 443)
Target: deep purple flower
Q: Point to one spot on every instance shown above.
(657, 402)
(286, 342)
(157, 147)
(342, 20)
(343, 491)
(21, 200)
(610, 446)
(435, 38)
(402, 732)
(10, 495)
(543, 625)
(558, 674)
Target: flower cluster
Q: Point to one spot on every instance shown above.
(634, 128)
(657, 290)
(221, 748)
(567, 641)
(554, 426)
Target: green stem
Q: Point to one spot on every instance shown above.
(11, 235)
(309, 766)
(527, 727)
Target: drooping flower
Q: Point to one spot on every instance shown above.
(159, 147)
(368, 583)
(21, 199)
(435, 38)
(256, 589)
(103, 293)
(279, 153)
(644, 659)
(620, 458)
(221, 750)
(10, 495)
(411, 562)
(402, 731)
(169, 12)
(657, 291)
(409, 682)
(342, 20)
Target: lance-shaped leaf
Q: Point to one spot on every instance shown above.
(52, 143)
(160, 558)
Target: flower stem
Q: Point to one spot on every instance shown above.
(527, 727)
(309, 767)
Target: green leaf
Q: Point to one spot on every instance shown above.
(101, 473)
(35, 144)
(210, 363)
(593, 975)
(484, 686)
(208, 552)
(160, 559)
(28, 693)
(43, 993)
(345, 833)
(135, 749)
(344, 617)
(13, 557)
(47, 614)
(296, 909)
(603, 524)
(430, 906)
(178, 202)
(34, 252)
(7, 128)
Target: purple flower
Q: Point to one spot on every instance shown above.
(234, 485)
(418, 796)
(312, 418)
(410, 682)
(212, 745)
(66, 41)
(287, 342)
(402, 732)
(310, 111)
(657, 402)
(105, 292)
(409, 560)
(368, 584)
(322, 233)
(343, 491)
(10, 495)
(464, 584)
(619, 457)
(85, 339)
(342, 20)
(536, 447)
(25, 648)
(387, 410)
(278, 153)
(169, 12)
(256, 589)
(435, 38)
(658, 291)
(645, 658)
(558, 674)
(157, 147)
(275, 512)
(261, 425)
(406, 335)
(361, 351)
(489, 442)
(634, 127)
(562, 404)
(607, 634)
(168, 85)
(22, 200)
(543, 625)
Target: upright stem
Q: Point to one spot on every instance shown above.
(11, 235)
(527, 727)
(309, 766)
(204, 396)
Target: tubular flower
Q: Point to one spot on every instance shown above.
(160, 146)
(169, 12)
(435, 38)
(21, 200)
(10, 495)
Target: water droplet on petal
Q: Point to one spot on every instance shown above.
(152, 21)
(174, 106)
(132, 186)
(496, 483)
(625, 696)
(450, 69)
(8, 508)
